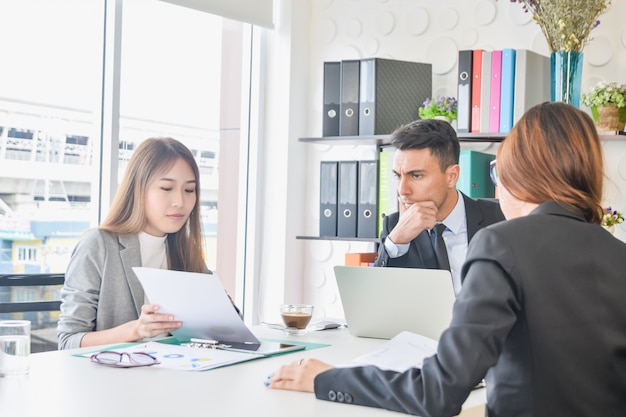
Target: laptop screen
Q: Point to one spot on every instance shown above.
(382, 302)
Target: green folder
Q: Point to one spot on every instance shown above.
(387, 185)
(474, 178)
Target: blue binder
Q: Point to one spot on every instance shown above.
(507, 90)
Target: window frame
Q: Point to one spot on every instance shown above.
(236, 165)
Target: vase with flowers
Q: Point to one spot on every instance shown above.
(607, 102)
(566, 25)
(610, 218)
(440, 107)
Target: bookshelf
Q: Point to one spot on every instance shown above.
(378, 141)
(381, 140)
(346, 239)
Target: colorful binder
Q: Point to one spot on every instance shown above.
(474, 178)
(507, 92)
(494, 106)
(477, 68)
(387, 185)
(485, 92)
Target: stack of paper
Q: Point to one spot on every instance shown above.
(406, 350)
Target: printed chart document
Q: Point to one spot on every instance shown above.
(404, 351)
(183, 358)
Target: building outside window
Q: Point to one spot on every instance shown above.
(27, 254)
(56, 126)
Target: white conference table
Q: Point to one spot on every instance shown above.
(61, 384)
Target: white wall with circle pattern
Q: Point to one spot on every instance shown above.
(434, 32)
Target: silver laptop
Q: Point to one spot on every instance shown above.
(382, 302)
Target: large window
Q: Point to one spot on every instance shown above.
(171, 86)
(50, 90)
(82, 82)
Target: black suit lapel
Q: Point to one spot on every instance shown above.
(473, 216)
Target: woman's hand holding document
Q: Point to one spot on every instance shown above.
(199, 301)
(202, 304)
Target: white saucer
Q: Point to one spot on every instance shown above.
(289, 330)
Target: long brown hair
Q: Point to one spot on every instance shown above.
(127, 215)
(554, 153)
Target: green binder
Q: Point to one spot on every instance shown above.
(387, 186)
(474, 176)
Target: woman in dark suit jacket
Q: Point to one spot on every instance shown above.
(542, 312)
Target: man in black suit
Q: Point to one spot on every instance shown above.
(426, 166)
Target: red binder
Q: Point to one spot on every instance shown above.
(477, 66)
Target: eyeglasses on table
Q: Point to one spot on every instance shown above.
(124, 359)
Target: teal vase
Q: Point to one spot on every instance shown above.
(566, 69)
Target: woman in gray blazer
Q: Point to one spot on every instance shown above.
(541, 315)
(154, 221)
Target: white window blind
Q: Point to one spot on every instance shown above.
(256, 12)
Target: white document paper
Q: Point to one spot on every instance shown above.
(199, 301)
(404, 351)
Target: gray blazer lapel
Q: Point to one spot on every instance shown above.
(130, 255)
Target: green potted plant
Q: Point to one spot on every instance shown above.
(607, 102)
(443, 107)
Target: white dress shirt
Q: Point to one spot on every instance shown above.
(455, 238)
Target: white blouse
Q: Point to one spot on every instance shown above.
(153, 251)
